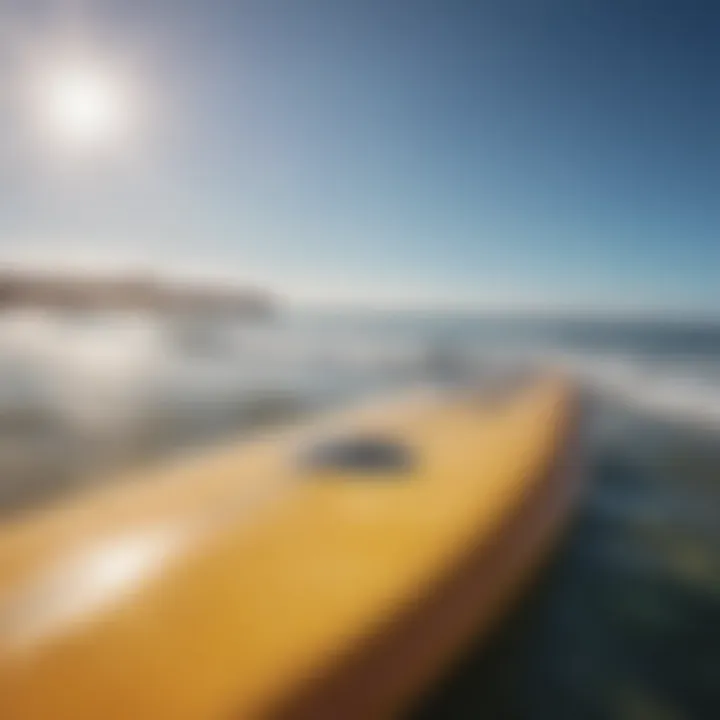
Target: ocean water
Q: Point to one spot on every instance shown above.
(624, 622)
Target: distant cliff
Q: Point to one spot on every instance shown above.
(131, 292)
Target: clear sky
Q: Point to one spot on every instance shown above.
(542, 152)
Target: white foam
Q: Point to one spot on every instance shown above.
(682, 391)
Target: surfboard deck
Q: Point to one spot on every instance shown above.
(273, 579)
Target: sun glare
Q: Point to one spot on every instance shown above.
(84, 107)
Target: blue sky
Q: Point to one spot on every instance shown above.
(527, 152)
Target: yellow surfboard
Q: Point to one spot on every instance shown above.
(330, 571)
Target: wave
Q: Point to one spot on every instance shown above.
(94, 373)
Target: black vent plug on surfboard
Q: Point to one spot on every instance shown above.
(372, 454)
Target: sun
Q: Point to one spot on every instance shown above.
(83, 106)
